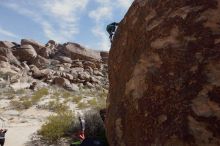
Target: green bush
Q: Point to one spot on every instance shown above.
(56, 127)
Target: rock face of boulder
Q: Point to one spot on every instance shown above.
(37, 46)
(6, 53)
(40, 61)
(6, 44)
(64, 59)
(104, 55)
(3, 58)
(61, 81)
(76, 51)
(45, 52)
(26, 53)
(165, 75)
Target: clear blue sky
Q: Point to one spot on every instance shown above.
(80, 21)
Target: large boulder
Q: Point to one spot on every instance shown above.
(164, 71)
(76, 51)
(3, 58)
(84, 76)
(62, 82)
(25, 53)
(36, 72)
(19, 85)
(6, 44)
(45, 52)
(37, 46)
(6, 53)
(40, 61)
(41, 49)
(6, 70)
(51, 44)
(64, 59)
(104, 55)
(53, 47)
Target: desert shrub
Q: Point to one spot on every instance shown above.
(99, 101)
(39, 94)
(57, 107)
(66, 125)
(56, 94)
(76, 99)
(93, 102)
(56, 126)
(66, 94)
(26, 102)
(94, 124)
(20, 91)
(82, 105)
(21, 104)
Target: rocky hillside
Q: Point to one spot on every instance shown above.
(68, 65)
(37, 81)
(164, 71)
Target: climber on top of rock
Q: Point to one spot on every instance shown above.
(111, 30)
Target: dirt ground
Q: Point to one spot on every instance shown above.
(21, 125)
(18, 136)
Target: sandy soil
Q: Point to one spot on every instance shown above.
(18, 136)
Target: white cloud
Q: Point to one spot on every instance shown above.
(103, 2)
(101, 13)
(64, 9)
(104, 11)
(104, 43)
(124, 3)
(65, 13)
(7, 33)
(58, 18)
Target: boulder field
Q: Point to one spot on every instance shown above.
(68, 65)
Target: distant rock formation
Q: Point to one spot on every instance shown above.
(74, 51)
(164, 72)
(69, 65)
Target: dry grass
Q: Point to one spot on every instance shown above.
(82, 105)
(26, 102)
(56, 106)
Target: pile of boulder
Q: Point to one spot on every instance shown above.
(68, 65)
